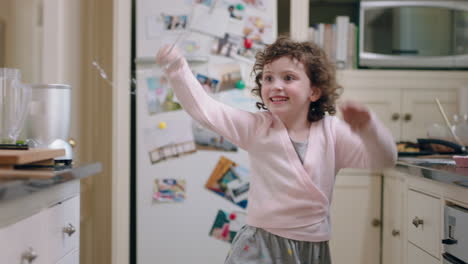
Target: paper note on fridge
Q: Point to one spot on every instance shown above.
(210, 21)
(173, 139)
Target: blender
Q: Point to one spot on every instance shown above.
(14, 103)
(48, 122)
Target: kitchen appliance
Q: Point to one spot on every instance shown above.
(455, 234)
(164, 138)
(413, 34)
(14, 102)
(48, 122)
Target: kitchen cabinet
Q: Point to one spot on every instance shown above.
(407, 107)
(414, 206)
(423, 222)
(49, 236)
(392, 215)
(355, 217)
(418, 256)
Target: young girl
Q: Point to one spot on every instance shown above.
(295, 150)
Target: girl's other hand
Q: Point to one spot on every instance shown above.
(355, 114)
(167, 56)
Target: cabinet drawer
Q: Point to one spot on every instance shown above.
(423, 222)
(24, 239)
(417, 256)
(72, 258)
(62, 232)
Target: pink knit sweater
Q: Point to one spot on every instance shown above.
(286, 197)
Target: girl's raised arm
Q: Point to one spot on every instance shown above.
(236, 125)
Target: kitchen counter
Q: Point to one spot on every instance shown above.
(441, 170)
(22, 198)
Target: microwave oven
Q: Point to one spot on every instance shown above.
(413, 34)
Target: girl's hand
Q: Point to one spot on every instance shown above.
(168, 56)
(355, 114)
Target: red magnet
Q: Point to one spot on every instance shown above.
(248, 43)
(232, 216)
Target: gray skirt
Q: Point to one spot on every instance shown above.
(254, 245)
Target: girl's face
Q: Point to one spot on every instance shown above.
(286, 88)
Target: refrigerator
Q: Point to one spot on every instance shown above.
(191, 185)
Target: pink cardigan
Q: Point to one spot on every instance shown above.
(286, 197)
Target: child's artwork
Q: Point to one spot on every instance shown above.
(226, 225)
(230, 74)
(160, 97)
(235, 9)
(226, 46)
(210, 21)
(175, 22)
(211, 85)
(204, 2)
(230, 181)
(209, 140)
(169, 190)
(260, 4)
(170, 137)
(248, 54)
(258, 29)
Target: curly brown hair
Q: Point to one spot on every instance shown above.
(319, 69)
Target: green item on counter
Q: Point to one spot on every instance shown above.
(240, 84)
(239, 7)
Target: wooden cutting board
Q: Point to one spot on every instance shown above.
(8, 174)
(20, 157)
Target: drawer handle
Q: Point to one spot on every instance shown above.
(30, 255)
(417, 222)
(395, 232)
(449, 241)
(376, 222)
(69, 230)
(395, 116)
(407, 117)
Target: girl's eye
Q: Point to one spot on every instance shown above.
(288, 78)
(267, 78)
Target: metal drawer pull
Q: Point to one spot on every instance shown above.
(407, 117)
(417, 221)
(30, 255)
(395, 232)
(395, 116)
(376, 222)
(69, 230)
(449, 241)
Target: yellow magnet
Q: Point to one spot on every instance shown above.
(162, 125)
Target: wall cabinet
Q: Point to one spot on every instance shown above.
(405, 103)
(50, 236)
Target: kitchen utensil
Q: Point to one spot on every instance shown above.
(14, 104)
(48, 123)
(18, 157)
(447, 122)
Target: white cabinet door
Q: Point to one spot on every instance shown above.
(355, 218)
(62, 232)
(392, 236)
(384, 103)
(419, 110)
